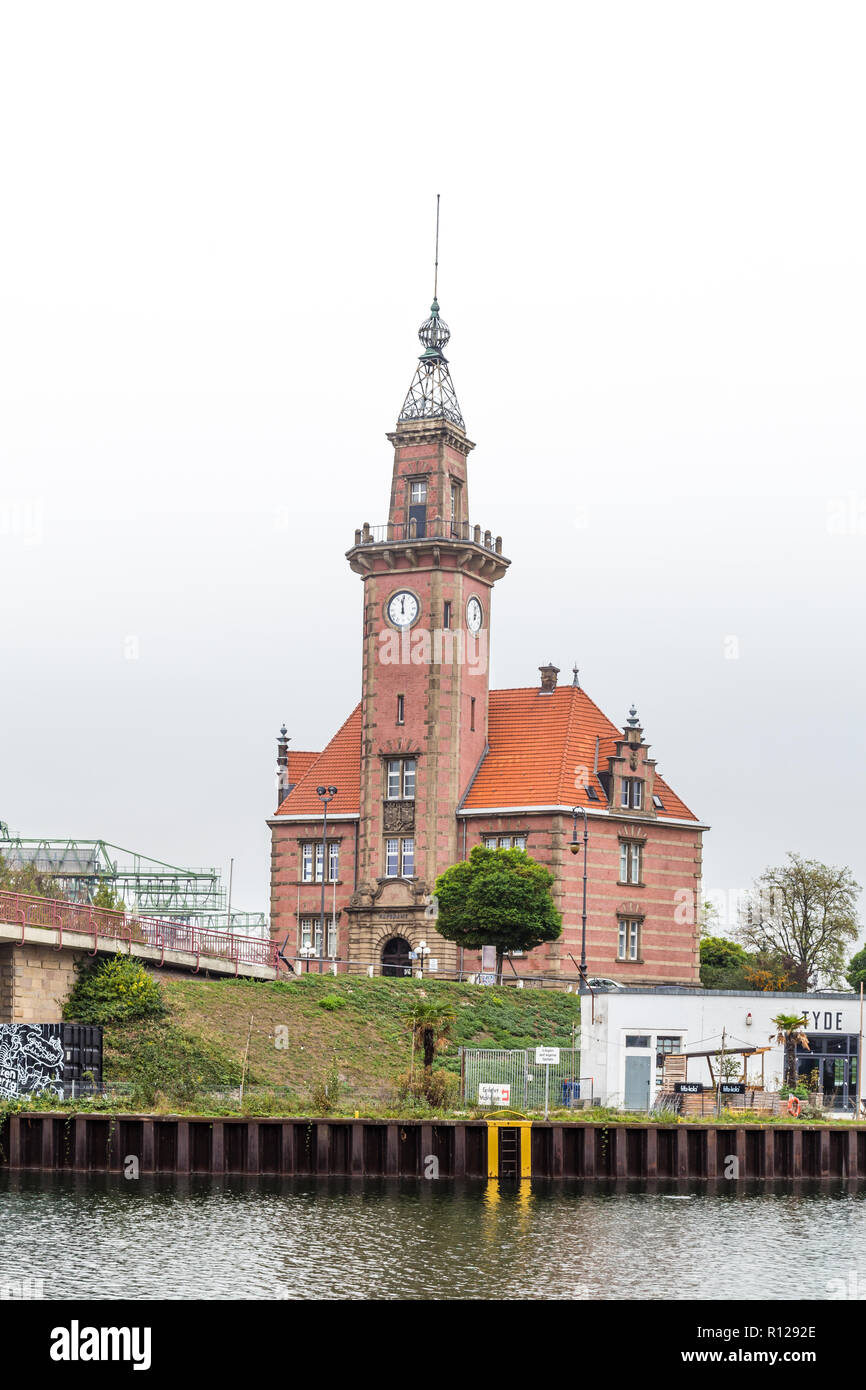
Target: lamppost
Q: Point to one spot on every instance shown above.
(575, 849)
(325, 794)
(421, 950)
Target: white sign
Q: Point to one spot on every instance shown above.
(547, 1056)
(486, 979)
(488, 958)
(433, 963)
(488, 1094)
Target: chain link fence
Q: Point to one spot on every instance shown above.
(502, 1077)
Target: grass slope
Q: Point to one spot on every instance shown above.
(354, 1025)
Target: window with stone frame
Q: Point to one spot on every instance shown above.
(630, 861)
(628, 938)
(504, 841)
(400, 857)
(400, 779)
(632, 793)
(310, 935)
(312, 859)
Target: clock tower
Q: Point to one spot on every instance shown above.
(428, 576)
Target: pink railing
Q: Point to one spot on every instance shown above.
(23, 910)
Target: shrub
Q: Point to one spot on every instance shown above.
(115, 990)
(332, 1002)
(436, 1089)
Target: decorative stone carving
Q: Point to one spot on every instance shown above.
(398, 816)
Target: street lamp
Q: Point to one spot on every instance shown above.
(422, 950)
(575, 849)
(325, 795)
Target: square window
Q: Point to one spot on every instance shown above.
(393, 779)
(417, 493)
(408, 858)
(409, 779)
(392, 858)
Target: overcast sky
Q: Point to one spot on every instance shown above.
(215, 253)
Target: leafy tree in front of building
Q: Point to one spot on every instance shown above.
(802, 915)
(856, 972)
(497, 897)
(725, 964)
(106, 896)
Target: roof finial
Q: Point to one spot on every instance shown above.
(431, 395)
(633, 719)
(576, 682)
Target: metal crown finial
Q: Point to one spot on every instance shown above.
(633, 719)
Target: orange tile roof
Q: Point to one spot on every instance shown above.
(300, 762)
(542, 753)
(338, 765)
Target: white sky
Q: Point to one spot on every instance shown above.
(215, 252)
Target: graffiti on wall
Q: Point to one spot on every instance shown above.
(31, 1059)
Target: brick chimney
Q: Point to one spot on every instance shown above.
(549, 674)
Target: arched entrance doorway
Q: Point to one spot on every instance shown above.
(395, 957)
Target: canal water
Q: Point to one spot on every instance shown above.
(102, 1237)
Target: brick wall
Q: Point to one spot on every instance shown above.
(35, 981)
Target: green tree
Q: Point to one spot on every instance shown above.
(723, 963)
(856, 972)
(497, 897)
(790, 1031)
(430, 1021)
(105, 896)
(28, 879)
(802, 915)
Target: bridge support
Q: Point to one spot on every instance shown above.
(35, 981)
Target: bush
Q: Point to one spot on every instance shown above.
(436, 1089)
(115, 990)
(332, 1002)
(158, 1059)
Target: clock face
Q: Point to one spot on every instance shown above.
(403, 608)
(474, 614)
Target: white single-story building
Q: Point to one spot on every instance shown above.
(626, 1035)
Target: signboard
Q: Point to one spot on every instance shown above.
(547, 1056)
(688, 1088)
(490, 1094)
(433, 963)
(488, 959)
(732, 1088)
(485, 980)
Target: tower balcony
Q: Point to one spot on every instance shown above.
(428, 531)
(472, 545)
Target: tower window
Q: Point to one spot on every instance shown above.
(472, 714)
(401, 779)
(400, 858)
(401, 708)
(446, 613)
(417, 494)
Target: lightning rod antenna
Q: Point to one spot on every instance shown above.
(436, 263)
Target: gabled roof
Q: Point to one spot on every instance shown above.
(543, 753)
(300, 762)
(338, 765)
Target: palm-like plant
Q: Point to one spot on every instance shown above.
(430, 1022)
(790, 1033)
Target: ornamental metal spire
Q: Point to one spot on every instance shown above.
(431, 395)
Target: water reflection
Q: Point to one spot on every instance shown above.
(103, 1237)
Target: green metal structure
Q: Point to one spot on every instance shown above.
(147, 886)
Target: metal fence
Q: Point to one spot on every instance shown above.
(25, 910)
(526, 1080)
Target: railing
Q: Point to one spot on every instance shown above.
(433, 529)
(24, 910)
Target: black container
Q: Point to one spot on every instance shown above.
(65, 1058)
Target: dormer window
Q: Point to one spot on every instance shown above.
(657, 802)
(632, 793)
(401, 779)
(592, 793)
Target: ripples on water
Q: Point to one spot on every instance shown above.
(106, 1238)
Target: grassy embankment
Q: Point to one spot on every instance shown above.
(318, 1044)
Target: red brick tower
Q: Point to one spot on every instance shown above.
(428, 579)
